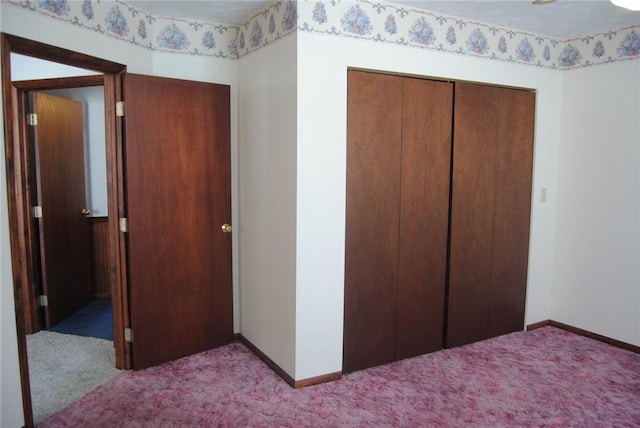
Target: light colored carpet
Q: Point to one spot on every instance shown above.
(64, 367)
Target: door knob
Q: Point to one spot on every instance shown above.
(226, 228)
(85, 212)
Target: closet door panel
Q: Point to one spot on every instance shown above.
(424, 215)
(512, 210)
(469, 291)
(374, 116)
(492, 160)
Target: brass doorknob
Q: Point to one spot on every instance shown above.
(226, 228)
(85, 212)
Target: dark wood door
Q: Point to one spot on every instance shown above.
(491, 196)
(398, 174)
(374, 153)
(178, 198)
(424, 215)
(60, 191)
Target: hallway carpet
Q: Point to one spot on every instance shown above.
(546, 377)
(65, 367)
(94, 320)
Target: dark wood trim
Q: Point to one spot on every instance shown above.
(18, 192)
(60, 55)
(60, 83)
(268, 361)
(16, 196)
(539, 324)
(296, 384)
(114, 132)
(23, 176)
(316, 380)
(585, 333)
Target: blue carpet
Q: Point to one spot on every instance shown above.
(94, 320)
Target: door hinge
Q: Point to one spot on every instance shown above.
(124, 225)
(37, 211)
(128, 335)
(32, 119)
(43, 300)
(120, 109)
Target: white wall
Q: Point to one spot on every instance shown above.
(30, 68)
(267, 161)
(596, 281)
(322, 91)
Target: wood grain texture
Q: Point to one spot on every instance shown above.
(424, 215)
(374, 153)
(178, 196)
(491, 197)
(114, 92)
(60, 83)
(63, 230)
(63, 56)
(99, 250)
(21, 234)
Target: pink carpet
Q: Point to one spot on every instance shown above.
(546, 377)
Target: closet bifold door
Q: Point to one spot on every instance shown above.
(374, 136)
(398, 173)
(490, 211)
(424, 215)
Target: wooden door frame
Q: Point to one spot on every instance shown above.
(21, 233)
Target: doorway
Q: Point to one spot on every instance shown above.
(22, 231)
(73, 353)
(169, 234)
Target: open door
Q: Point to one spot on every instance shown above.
(178, 186)
(57, 137)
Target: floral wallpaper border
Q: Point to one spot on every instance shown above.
(384, 22)
(118, 19)
(376, 21)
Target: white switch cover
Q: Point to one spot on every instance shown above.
(543, 194)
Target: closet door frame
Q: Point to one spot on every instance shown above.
(485, 305)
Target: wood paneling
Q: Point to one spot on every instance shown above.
(491, 197)
(99, 242)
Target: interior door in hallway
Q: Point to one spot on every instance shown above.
(63, 234)
(178, 198)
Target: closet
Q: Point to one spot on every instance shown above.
(437, 214)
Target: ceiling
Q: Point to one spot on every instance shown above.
(562, 19)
